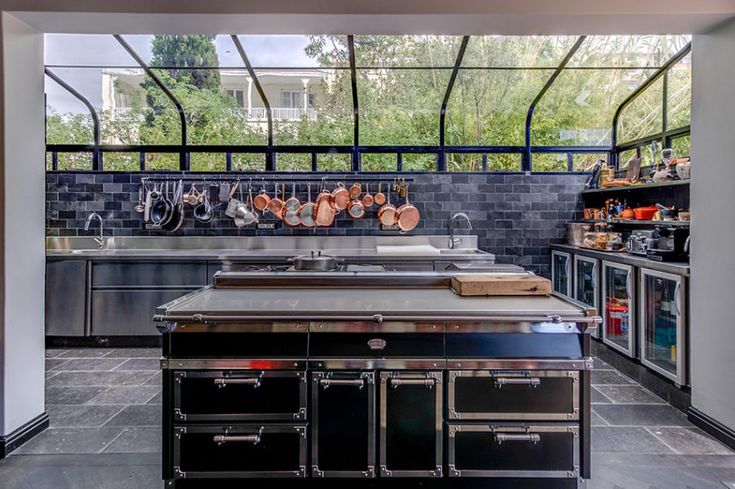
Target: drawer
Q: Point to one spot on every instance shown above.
(239, 395)
(372, 340)
(239, 451)
(521, 395)
(260, 339)
(128, 312)
(532, 450)
(149, 274)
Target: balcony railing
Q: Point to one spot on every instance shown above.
(279, 113)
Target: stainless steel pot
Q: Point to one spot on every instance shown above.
(315, 262)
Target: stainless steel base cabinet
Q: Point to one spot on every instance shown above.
(343, 424)
(411, 424)
(513, 450)
(239, 451)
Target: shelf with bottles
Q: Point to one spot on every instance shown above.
(636, 187)
(638, 222)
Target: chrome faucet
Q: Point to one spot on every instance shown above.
(452, 240)
(101, 238)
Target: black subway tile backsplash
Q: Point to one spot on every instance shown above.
(516, 216)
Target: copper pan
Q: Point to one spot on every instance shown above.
(262, 200)
(275, 206)
(324, 212)
(387, 213)
(356, 209)
(307, 211)
(340, 197)
(380, 196)
(407, 215)
(367, 199)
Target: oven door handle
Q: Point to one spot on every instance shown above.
(532, 382)
(532, 438)
(354, 382)
(428, 382)
(222, 439)
(223, 382)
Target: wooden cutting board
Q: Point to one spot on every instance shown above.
(478, 284)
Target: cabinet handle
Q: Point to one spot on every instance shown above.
(355, 382)
(527, 437)
(222, 382)
(628, 287)
(425, 382)
(531, 382)
(222, 439)
(677, 297)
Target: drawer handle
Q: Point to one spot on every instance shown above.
(430, 383)
(222, 439)
(531, 382)
(222, 382)
(532, 438)
(356, 382)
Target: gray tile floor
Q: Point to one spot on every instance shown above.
(104, 407)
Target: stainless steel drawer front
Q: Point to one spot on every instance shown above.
(266, 395)
(505, 450)
(239, 451)
(513, 395)
(149, 274)
(411, 435)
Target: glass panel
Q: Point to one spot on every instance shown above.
(293, 162)
(585, 162)
(186, 51)
(121, 161)
(293, 51)
(406, 51)
(626, 156)
(68, 120)
(460, 162)
(617, 304)
(644, 116)
(679, 103)
(586, 281)
(504, 162)
(96, 50)
(334, 162)
(578, 108)
(627, 51)
(561, 279)
(419, 161)
(378, 162)
(208, 162)
(659, 317)
(549, 162)
(400, 106)
(161, 161)
(489, 107)
(681, 146)
(650, 157)
(248, 162)
(75, 161)
(517, 51)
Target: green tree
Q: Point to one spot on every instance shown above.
(182, 55)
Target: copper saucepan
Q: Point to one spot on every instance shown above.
(307, 211)
(355, 190)
(275, 206)
(340, 197)
(380, 196)
(325, 211)
(367, 199)
(356, 209)
(387, 213)
(407, 215)
(262, 200)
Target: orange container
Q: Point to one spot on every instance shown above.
(645, 213)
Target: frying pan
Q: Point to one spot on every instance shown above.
(408, 216)
(367, 199)
(340, 197)
(275, 206)
(356, 209)
(292, 204)
(307, 211)
(380, 196)
(387, 213)
(262, 199)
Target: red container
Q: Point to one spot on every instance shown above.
(645, 213)
(617, 320)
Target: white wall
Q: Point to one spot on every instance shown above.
(713, 224)
(22, 226)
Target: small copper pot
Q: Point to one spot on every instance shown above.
(387, 213)
(262, 200)
(356, 209)
(275, 205)
(380, 196)
(367, 199)
(340, 197)
(407, 215)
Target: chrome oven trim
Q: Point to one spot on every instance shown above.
(377, 363)
(374, 327)
(586, 363)
(234, 364)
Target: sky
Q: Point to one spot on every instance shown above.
(104, 50)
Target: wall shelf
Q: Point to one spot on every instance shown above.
(632, 188)
(638, 222)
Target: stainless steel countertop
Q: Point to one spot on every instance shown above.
(628, 259)
(275, 248)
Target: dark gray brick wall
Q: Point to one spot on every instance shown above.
(516, 216)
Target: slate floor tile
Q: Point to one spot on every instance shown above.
(135, 353)
(86, 353)
(629, 394)
(596, 420)
(690, 441)
(54, 352)
(91, 364)
(137, 440)
(138, 415)
(626, 440)
(71, 394)
(70, 440)
(601, 365)
(596, 397)
(155, 379)
(600, 377)
(641, 415)
(126, 395)
(158, 399)
(69, 416)
(139, 364)
(55, 363)
(99, 378)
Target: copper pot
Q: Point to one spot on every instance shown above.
(356, 209)
(367, 199)
(387, 213)
(408, 215)
(307, 211)
(380, 196)
(262, 200)
(275, 205)
(340, 197)
(325, 212)
(355, 190)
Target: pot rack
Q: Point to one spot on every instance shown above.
(280, 179)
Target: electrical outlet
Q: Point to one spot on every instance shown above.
(266, 225)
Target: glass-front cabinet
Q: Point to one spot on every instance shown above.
(561, 272)
(586, 278)
(618, 306)
(662, 319)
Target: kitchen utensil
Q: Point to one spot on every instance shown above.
(307, 211)
(293, 204)
(192, 197)
(177, 209)
(340, 197)
(275, 206)
(645, 213)
(355, 190)
(633, 170)
(213, 193)
(667, 213)
(315, 262)
(356, 210)
(325, 210)
(380, 196)
(408, 215)
(167, 214)
(204, 212)
(481, 284)
(140, 206)
(576, 232)
(367, 199)
(262, 200)
(403, 189)
(292, 219)
(232, 203)
(387, 213)
(628, 214)
(245, 214)
(683, 170)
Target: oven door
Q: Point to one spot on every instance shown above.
(239, 395)
(513, 450)
(411, 424)
(343, 424)
(239, 451)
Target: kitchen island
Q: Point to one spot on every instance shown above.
(383, 378)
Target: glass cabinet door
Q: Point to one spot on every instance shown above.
(585, 282)
(560, 272)
(617, 307)
(661, 319)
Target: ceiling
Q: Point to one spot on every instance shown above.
(374, 16)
